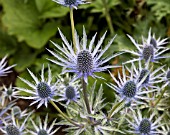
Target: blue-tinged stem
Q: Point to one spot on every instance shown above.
(72, 28)
(84, 85)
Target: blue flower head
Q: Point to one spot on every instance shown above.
(68, 91)
(42, 91)
(86, 60)
(128, 88)
(71, 3)
(143, 125)
(151, 49)
(149, 76)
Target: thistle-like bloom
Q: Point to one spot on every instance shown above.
(86, 60)
(43, 129)
(42, 91)
(69, 94)
(144, 126)
(151, 77)
(4, 70)
(128, 88)
(8, 93)
(150, 49)
(69, 91)
(14, 127)
(71, 3)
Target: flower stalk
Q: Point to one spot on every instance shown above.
(84, 85)
(65, 116)
(72, 28)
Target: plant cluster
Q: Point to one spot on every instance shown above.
(141, 88)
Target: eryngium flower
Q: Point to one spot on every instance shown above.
(42, 91)
(14, 127)
(43, 129)
(151, 49)
(128, 88)
(71, 3)
(85, 61)
(68, 91)
(8, 93)
(4, 70)
(144, 126)
(150, 76)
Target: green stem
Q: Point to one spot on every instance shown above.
(114, 108)
(108, 18)
(84, 85)
(65, 116)
(72, 28)
(159, 98)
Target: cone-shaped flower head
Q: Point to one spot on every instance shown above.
(71, 3)
(146, 74)
(8, 93)
(144, 126)
(12, 130)
(68, 91)
(42, 91)
(86, 60)
(151, 49)
(129, 88)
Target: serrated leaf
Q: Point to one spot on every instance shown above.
(23, 21)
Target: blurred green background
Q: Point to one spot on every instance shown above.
(27, 26)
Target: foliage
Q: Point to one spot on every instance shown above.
(27, 26)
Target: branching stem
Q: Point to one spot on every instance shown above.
(64, 115)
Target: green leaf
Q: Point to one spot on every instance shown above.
(160, 8)
(49, 9)
(8, 44)
(23, 21)
(98, 5)
(24, 58)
